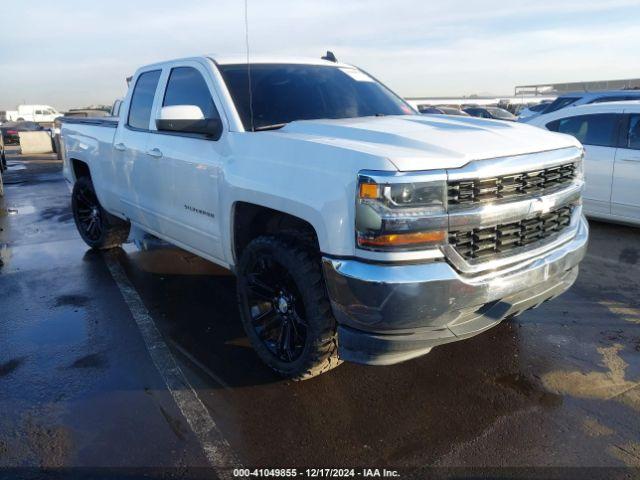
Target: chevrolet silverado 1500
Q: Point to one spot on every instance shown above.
(357, 229)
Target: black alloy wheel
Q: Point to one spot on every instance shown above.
(88, 213)
(97, 227)
(276, 308)
(284, 306)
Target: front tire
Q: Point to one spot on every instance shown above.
(285, 309)
(98, 228)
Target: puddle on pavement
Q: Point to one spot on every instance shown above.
(13, 166)
(173, 261)
(594, 428)
(529, 388)
(597, 385)
(66, 327)
(624, 311)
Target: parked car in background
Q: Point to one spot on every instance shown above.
(33, 113)
(10, 131)
(610, 133)
(3, 167)
(425, 109)
(357, 229)
(442, 110)
(452, 111)
(531, 110)
(3, 158)
(584, 98)
(495, 113)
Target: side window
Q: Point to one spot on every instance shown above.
(142, 100)
(633, 139)
(598, 129)
(187, 87)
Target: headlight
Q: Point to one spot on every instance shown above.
(399, 212)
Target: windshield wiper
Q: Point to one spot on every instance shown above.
(275, 126)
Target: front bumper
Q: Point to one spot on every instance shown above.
(391, 313)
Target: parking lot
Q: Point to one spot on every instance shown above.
(135, 358)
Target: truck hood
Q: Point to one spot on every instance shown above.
(413, 142)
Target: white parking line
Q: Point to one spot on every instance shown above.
(216, 448)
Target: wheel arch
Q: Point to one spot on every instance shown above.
(80, 168)
(250, 220)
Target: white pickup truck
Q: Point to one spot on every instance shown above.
(357, 229)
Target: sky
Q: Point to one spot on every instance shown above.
(72, 53)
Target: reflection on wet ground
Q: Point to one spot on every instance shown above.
(557, 386)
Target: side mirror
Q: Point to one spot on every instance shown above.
(188, 119)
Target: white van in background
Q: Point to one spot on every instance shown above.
(33, 113)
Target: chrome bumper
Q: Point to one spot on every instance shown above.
(390, 313)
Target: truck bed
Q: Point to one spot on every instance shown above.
(89, 140)
(101, 121)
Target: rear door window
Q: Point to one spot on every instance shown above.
(598, 129)
(142, 100)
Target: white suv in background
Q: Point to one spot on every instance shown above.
(610, 133)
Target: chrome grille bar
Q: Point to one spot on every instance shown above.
(481, 243)
(475, 191)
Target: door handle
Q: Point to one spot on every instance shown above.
(121, 147)
(155, 153)
(634, 160)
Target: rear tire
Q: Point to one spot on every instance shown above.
(285, 309)
(98, 228)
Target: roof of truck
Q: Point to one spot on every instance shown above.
(253, 59)
(240, 59)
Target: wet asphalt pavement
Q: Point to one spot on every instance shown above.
(556, 387)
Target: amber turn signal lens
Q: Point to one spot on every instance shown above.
(403, 239)
(369, 190)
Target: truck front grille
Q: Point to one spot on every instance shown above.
(490, 241)
(465, 192)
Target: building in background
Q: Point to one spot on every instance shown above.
(556, 89)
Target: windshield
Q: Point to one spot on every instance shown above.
(538, 108)
(501, 113)
(559, 103)
(283, 93)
